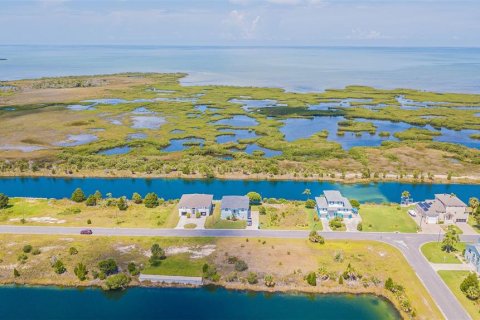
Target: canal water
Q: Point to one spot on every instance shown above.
(175, 303)
(46, 187)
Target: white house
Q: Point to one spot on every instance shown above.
(332, 204)
(235, 207)
(472, 255)
(445, 208)
(193, 203)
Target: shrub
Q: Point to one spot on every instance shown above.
(232, 260)
(310, 204)
(36, 252)
(340, 280)
(355, 203)
(269, 281)
(336, 223)
(58, 267)
(73, 251)
(98, 195)
(359, 226)
(108, 266)
(22, 258)
(473, 293)
(122, 204)
(470, 281)
(27, 248)
(117, 281)
(16, 274)
(3, 201)
(210, 272)
(311, 278)
(151, 200)
(315, 237)
(89, 221)
(81, 271)
(198, 215)
(231, 277)
(137, 198)
(252, 278)
(132, 269)
(254, 197)
(91, 201)
(241, 265)
(78, 195)
(262, 210)
(157, 251)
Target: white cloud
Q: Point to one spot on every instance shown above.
(285, 2)
(241, 25)
(360, 34)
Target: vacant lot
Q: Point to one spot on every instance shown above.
(291, 215)
(386, 218)
(68, 213)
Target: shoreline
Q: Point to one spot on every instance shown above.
(469, 180)
(378, 292)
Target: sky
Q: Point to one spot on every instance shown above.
(449, 23)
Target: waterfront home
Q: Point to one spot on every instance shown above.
(235, 207)
(445, 208)
(472, 255)
(195, 203)
(332, 204)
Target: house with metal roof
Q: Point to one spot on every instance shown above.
(235, 207)
(195, 203)
(446, 208)
(332, 204)
(472, 255)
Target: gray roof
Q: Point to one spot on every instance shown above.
(431, 208)
(196, 200)
(450, 200)
(333, 195)
(235, 202)
(321, 202)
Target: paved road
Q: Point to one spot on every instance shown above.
(408, 244)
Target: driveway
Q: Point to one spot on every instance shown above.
(428, 228)
(351, 224)
(199, 222)
(452, 266)
(255, 221)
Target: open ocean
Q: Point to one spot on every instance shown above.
(292, 68)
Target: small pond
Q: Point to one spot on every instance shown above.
(77, 140)
(238, 121)
(238, 134)
(147, 122)
(115, 151)
(183, 144)
(250, 104)
(203, 108)
(136, 136)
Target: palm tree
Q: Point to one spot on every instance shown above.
(405, 194)
(473, 203)
(307, 192)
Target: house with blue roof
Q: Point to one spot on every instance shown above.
(472, 255)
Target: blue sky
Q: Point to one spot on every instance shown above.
(242, 22)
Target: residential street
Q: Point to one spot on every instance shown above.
(409, 245)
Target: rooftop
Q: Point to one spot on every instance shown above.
(450, 200)
(235, 202)
(333, 195)
(195, 200)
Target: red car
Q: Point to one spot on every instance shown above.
(86, 231)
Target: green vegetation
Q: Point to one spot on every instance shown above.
(117, 281)
(3, 201)
(293, 215)
(416, 134)
(386, 218)
(215, 222)
(336, 224)
(454, 280)
(433, 252)
(312, 157)
(177, 265)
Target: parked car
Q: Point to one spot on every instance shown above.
(86, 231)
(412, 213)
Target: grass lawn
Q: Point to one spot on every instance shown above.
(178, 265)
(433, 252)
(453, 279)
(473, 223)
(137, 215)
(445, 227)
(386, 218)
(290, 216)
(215, 222)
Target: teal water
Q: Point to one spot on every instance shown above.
(174, 188)
(173, 303)
(297, 69)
